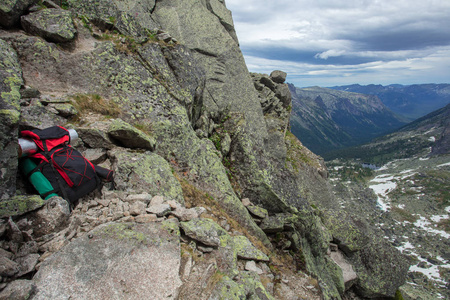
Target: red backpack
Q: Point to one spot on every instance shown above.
(71, 175)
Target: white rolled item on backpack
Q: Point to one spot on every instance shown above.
(27, 146)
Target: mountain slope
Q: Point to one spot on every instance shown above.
(325, 119)
(410, 101)
(411, 195)
(432, 130)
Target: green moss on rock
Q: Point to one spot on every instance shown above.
(19, 205)
(129, 136)
(145, 172)
(54, 25)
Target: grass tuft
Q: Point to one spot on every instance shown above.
(96, 104)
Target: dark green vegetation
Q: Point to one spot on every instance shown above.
(410, 101)
(349, 171)
(325, 119)
(435, 183)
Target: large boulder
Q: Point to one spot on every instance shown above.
(145, 172)
(19, 289)
(278, 76)
(129, 136)
(52, 217)
(54, 25)
(11, 10)
(132, 261)
(131, 18)
(19, 205)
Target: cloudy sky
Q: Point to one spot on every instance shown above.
(339, 42)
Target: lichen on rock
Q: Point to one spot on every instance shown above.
(54, 25)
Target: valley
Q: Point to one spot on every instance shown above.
(407, 197)
(326, 119)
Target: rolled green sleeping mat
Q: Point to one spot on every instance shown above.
(37, 179)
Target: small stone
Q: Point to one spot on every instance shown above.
(148, 218)
(27, 248)
(204, 230)
(251, 266)
(144, 197)
(157, 200)
(205, 249)
(8, 268)
(18, 289)
(246, 202)
(174, 204)
(103, 202)
(27, 263)
(92, 203)
(45, 256)
(160, 209)
(137, 208)
(258, 211)
(272, 224)
(185, 214)
(7, 254)
(127, 219)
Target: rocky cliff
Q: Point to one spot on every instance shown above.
(213, 198)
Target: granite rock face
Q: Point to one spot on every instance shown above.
(115, 260)
(10, 84)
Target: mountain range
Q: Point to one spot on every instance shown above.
(409, 101)
(327, 119)
(427, 135)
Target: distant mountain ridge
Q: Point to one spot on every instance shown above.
(327, 119)
(427, 135)
(410, 101)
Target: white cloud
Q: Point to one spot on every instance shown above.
(363, 41)
(330, 53)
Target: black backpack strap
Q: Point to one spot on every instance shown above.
(38, 167)
(58, 178)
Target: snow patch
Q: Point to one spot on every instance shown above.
(432, 139)
(382, 185)
(431, 272)
(407, 245)
(424, 224)
(443, 165)
(437, 219)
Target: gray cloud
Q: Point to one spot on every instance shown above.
(352, 40)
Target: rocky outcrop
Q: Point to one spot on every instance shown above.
(10, 83)
(54, 25)
(11, 11)
(115, 259)
(164, 98)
